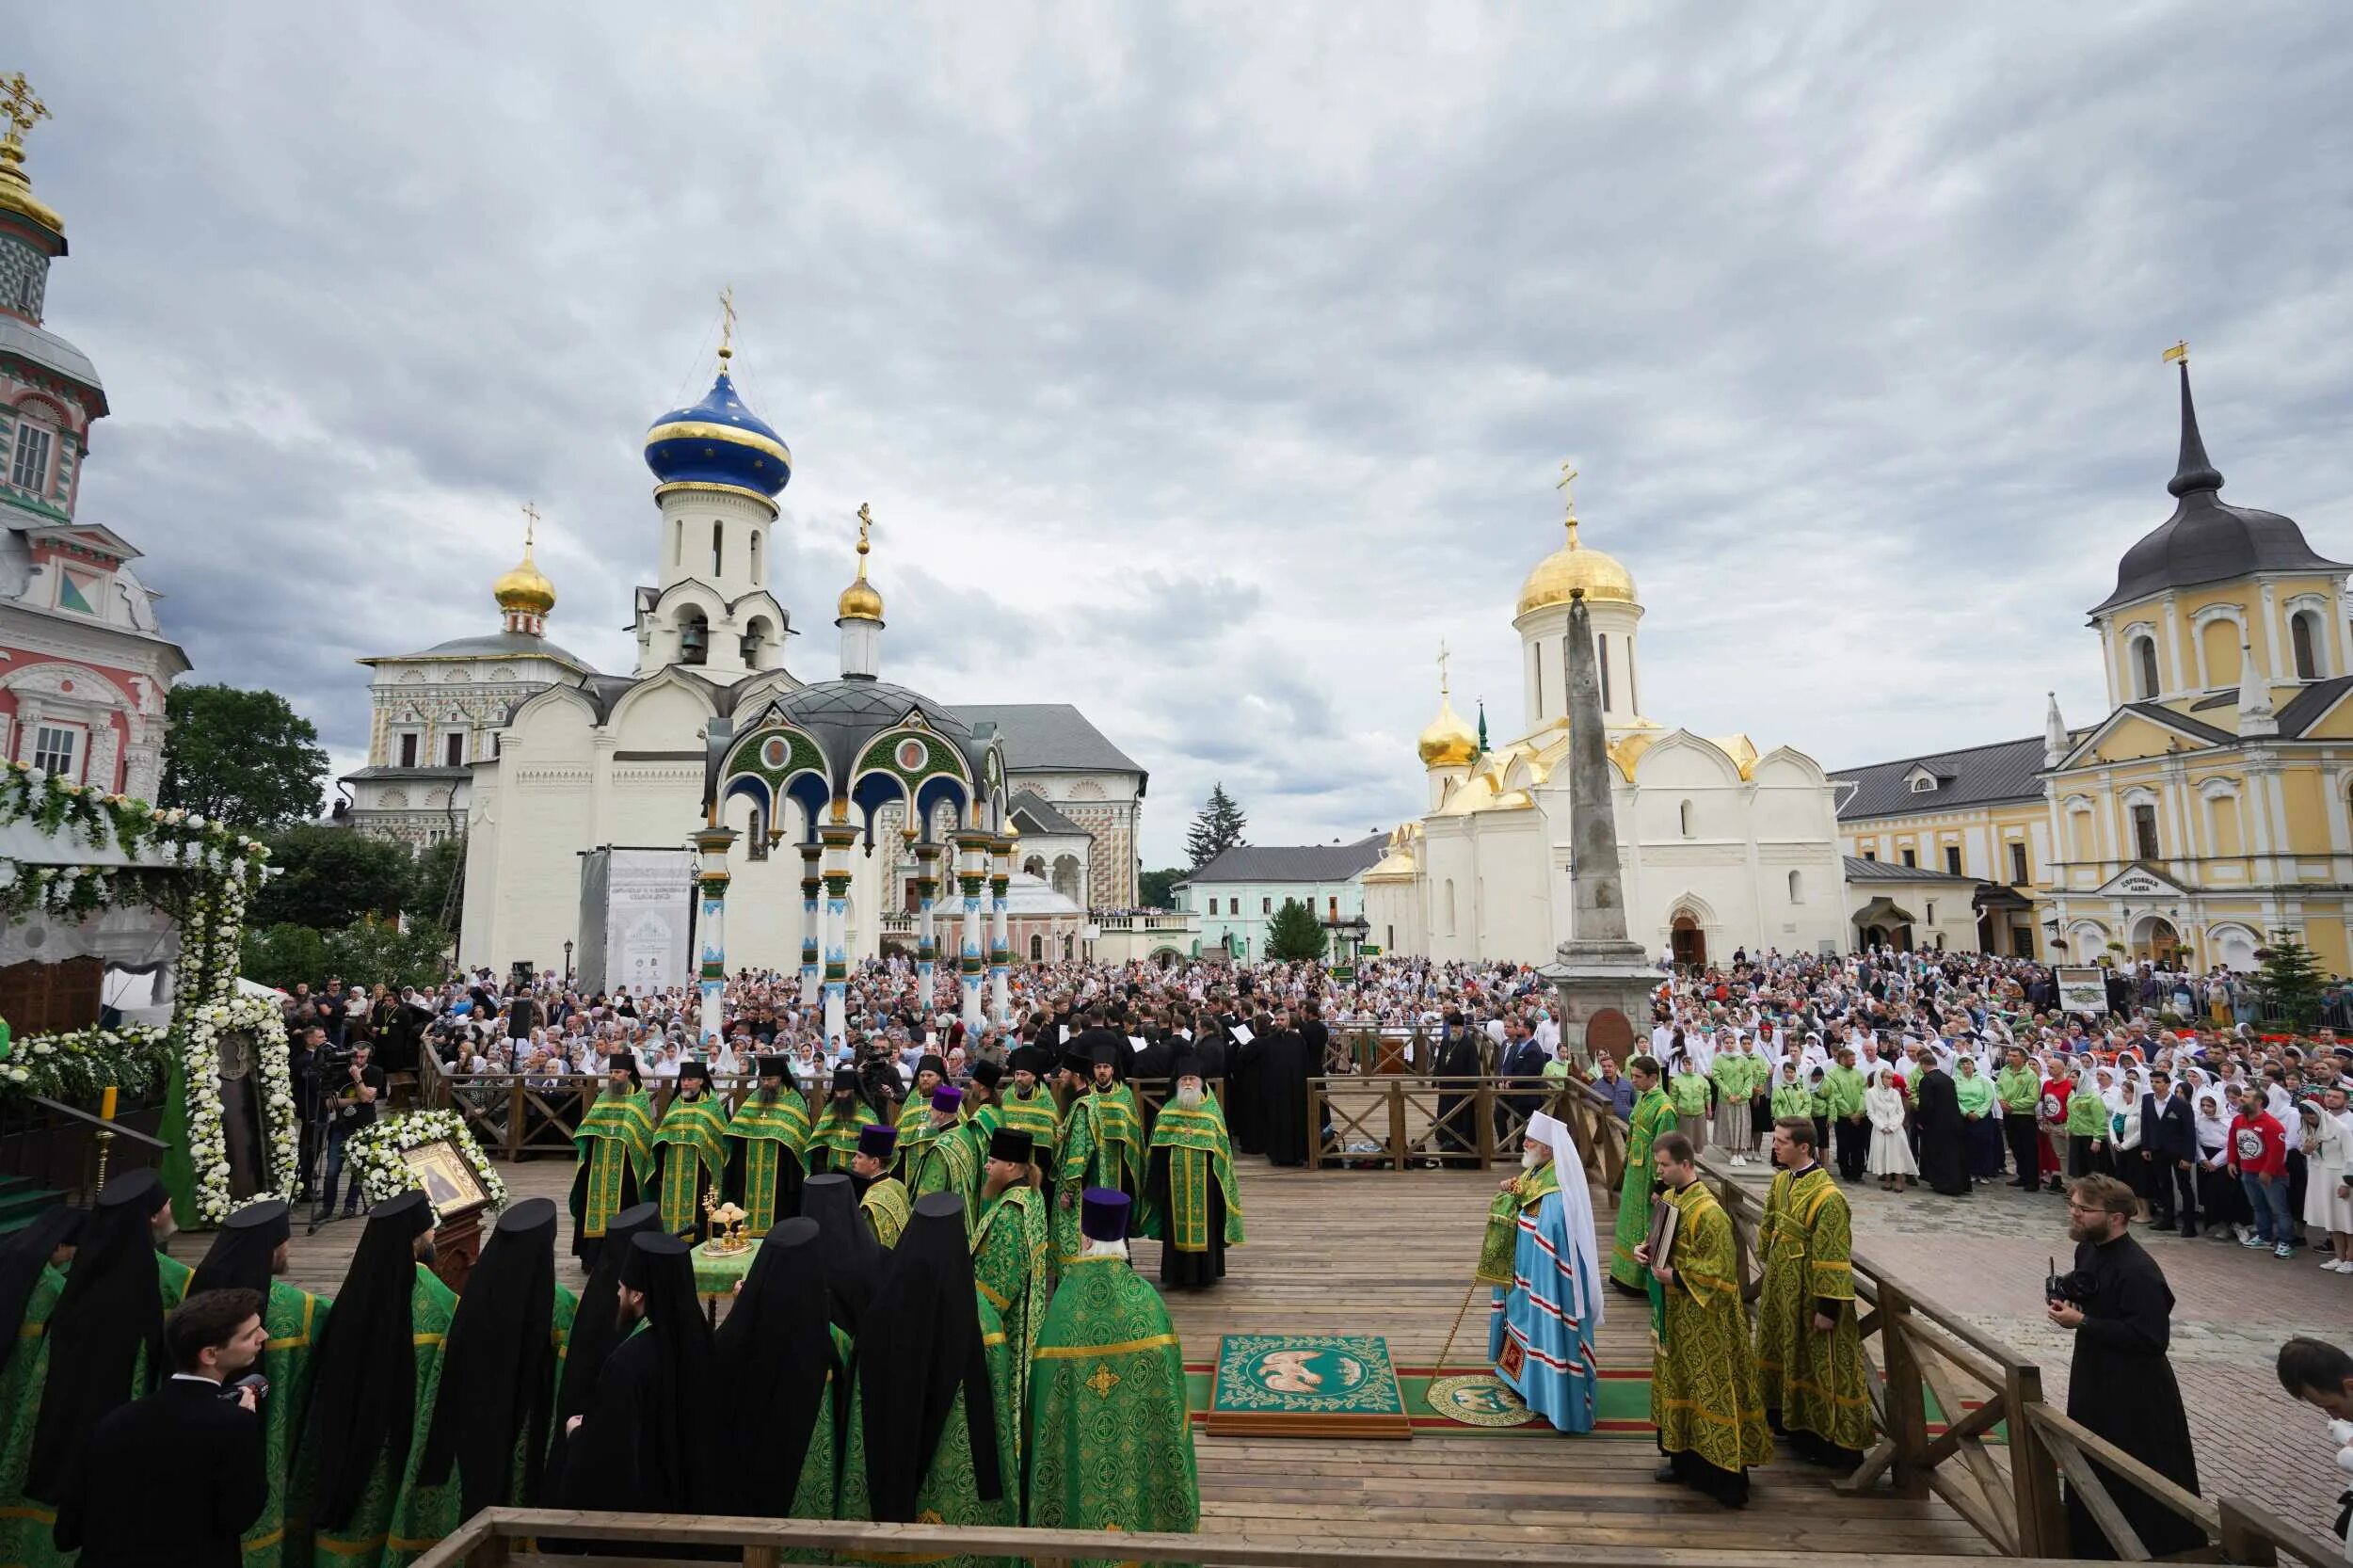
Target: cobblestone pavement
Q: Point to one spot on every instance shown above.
(1984, 1257)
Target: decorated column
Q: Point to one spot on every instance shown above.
(812, 922)
(711, 947)
(972, 872)
(999, 943)
(926, 938)
(838, 836)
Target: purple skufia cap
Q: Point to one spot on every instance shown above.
(877, 1141)
(947, 1099)
(1103, 1214)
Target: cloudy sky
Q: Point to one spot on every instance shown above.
(1206, 366)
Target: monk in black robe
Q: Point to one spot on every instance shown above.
(497, 1397)
(1242, 1117)
(1280, 1066)
(596, 1320)
(2120, 1384)
(1458, 1057)
(1944, 1134)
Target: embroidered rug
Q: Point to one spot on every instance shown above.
(1305, 1385)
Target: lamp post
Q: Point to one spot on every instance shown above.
(568, 965)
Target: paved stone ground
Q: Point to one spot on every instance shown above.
(1985, 1256)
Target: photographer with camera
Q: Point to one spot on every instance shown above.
(347, 1083)
(2116, 1302)
(193, 1450)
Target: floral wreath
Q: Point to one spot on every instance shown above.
(373, 1154)
(197, 1030)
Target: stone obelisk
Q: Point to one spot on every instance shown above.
(1598, 971)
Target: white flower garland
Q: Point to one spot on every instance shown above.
(373, 1155)
(78, 1064)
(198, 1028)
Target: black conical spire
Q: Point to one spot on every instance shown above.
(2195, 471)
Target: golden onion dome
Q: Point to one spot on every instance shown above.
(1449, 742)
(1572, 567)
(20, 111)
(526, 587)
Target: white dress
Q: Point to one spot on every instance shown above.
(1891, 1151)
(2327, 1154)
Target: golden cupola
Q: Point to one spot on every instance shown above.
(1571, 566)
(525, 593)
(21, 111)
(1449, 742)
(860, 611)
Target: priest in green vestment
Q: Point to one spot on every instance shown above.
(930, 1073)
(248, 1254)
(1109, 1445)
(493, 1415)
(1119, 1120)
(767, 1140)
(1809, 1349)
(1191, 1204)
(833, 1142)
(881, 1196)
(1029, 1105)
(614, 1143)
(782, 1372)
(690, 1149)
(934, 1156)
(1010, 1247)
(105, 1337)
(1703, 1396)
(928, 1417)
(32, 1275)
(1653, 1115)
(1098, 1136)
(374, 1373)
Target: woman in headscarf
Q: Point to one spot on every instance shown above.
(1891, 1149)
(2220, 1198)
(783, 1370)
(2328, 1185)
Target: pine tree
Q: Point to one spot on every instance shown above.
(2291, 979)
(1216, 828)
(1295, 935)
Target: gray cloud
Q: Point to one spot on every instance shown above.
(1207, 370)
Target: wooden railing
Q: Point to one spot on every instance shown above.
(504, 1538)
(1403, 1119)
(2010, 1494)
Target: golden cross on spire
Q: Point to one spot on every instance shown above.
(1443, 657)
(865, 526)
(531, 524)
(726, 325)
(2179, 352)
(23, 109)
(1568, 497)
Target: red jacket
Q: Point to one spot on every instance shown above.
(2257, 1146)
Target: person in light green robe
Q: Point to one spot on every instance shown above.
(1190, 1203)
(363, 1432)
(615, 1146)
(248, 1250)
(1704, 1394)
(934, 1155)
(690, 1147)
(1010, 1247)
(1100, 1142)
(1029, 1105)
(833, 1140)
(767, 1143)
(1653, 1115)
(882, 1197)
(1809, 1349)
(1109, 1445)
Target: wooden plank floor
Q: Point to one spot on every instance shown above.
(1391, 1252)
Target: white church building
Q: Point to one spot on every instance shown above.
(1723, 846)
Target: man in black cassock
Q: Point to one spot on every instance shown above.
(648, 1441)
(597, 1323)
(490, 1417)
(779, 1360)
(2120, 1384)
(1944, 1135)
(1280, 1066)
(1458, 1057)
(853, 1258)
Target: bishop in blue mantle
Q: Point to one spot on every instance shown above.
(1539, 1257)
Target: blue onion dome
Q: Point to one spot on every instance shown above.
(718, 444)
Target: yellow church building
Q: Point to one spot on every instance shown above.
(2209, 808)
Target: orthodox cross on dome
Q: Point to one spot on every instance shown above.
(1568, 498)
(23, 109)
(531, 524)
(726, 325)
(1443, 657)
(865, 526)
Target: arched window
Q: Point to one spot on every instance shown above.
(677, 541)
(2300, 626)
(693, 637)
(1797, 889)
(758, 634)
(1450, 906)
(718, 549)
(2145, 664)
(1684, 814)
(1037, 950)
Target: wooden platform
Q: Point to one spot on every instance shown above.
(1391, 1252)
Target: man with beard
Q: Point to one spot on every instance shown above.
(931, 1422)
(615, 1146)
(1654, 1117)
(1031, 1107)
(1191, 1204)
(2118, 1382)
(649, 1442)
(783, 1370)
(1458, 1057)
(768, 1135)
(595, 1323)
(1010, 1248)
(1944, 1135)
(833, 1141)
(499, 1368)
(1096, 1143)
(1280, 1066)
(1809, 1349)
(983, 1108)
(107, 1333)
(881, 1196)
(373, 1377)
(1703, 1395)
(1540, 1255)
(930, 1073)
(1109, 1442)
(691, 1153)
(248, 1253)
(934, 1156)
